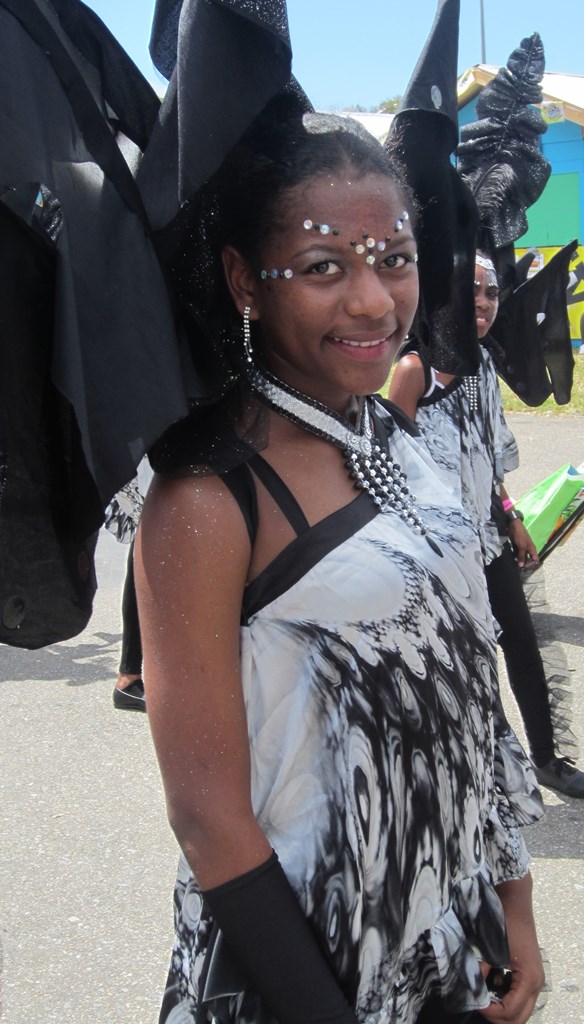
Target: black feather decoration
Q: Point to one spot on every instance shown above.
(499, 156)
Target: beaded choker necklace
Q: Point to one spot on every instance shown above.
(369, 466)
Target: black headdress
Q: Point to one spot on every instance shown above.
(424, 134)
(224, 59)
(500, 159)
(499, 156)
(500, 173)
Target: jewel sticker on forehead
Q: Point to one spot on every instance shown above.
(367, 247)
(368, 243)
(274, 274)
(324, 229)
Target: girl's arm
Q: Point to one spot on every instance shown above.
(191, 562)
(407, 384)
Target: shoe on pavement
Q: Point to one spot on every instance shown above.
(562, 775)
(132, 698)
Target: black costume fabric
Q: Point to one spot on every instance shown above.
(284, 948)
(500, 173)
(77, 117)
(203, 115)
(73, 123)
(74, 110)
(48, 581)
(427, 122)
(533, 350)
(225, 59)
(499, 156)
(500, 159)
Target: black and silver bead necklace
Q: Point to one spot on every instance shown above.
(370, 467)
(471, 386)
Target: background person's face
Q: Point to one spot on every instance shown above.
(486, 292)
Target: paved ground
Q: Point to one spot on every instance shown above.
(87, 860)
(557, 843)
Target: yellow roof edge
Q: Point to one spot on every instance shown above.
(471, 81)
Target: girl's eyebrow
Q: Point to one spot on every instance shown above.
(323, 247)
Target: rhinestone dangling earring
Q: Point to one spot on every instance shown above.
(247, 335)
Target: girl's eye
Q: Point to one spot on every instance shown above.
(325, 268)
(398, 260)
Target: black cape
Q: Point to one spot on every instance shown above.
(94, 365)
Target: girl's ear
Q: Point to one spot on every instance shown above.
(241, 281)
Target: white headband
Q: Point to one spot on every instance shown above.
(481, 261)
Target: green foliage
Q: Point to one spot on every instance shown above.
(390, 106)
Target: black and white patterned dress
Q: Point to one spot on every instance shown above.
(464, 429)
(368, 665)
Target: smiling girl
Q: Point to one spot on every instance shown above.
(319, 661)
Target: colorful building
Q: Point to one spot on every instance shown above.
(558, 215)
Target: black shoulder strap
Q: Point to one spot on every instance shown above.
(240, 482)
(281, 494)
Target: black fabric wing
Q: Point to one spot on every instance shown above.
(534, 354)
(424, 135)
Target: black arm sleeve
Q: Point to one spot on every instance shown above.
(264, 927)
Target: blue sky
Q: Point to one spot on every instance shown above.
(349, 52)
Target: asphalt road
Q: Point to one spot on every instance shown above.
(87, 860)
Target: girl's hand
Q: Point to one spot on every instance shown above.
(524, 547)
(527, 973)
(517, 1005)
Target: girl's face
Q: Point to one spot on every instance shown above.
(486, 292)
(333, 328)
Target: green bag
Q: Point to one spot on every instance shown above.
(549, 504)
